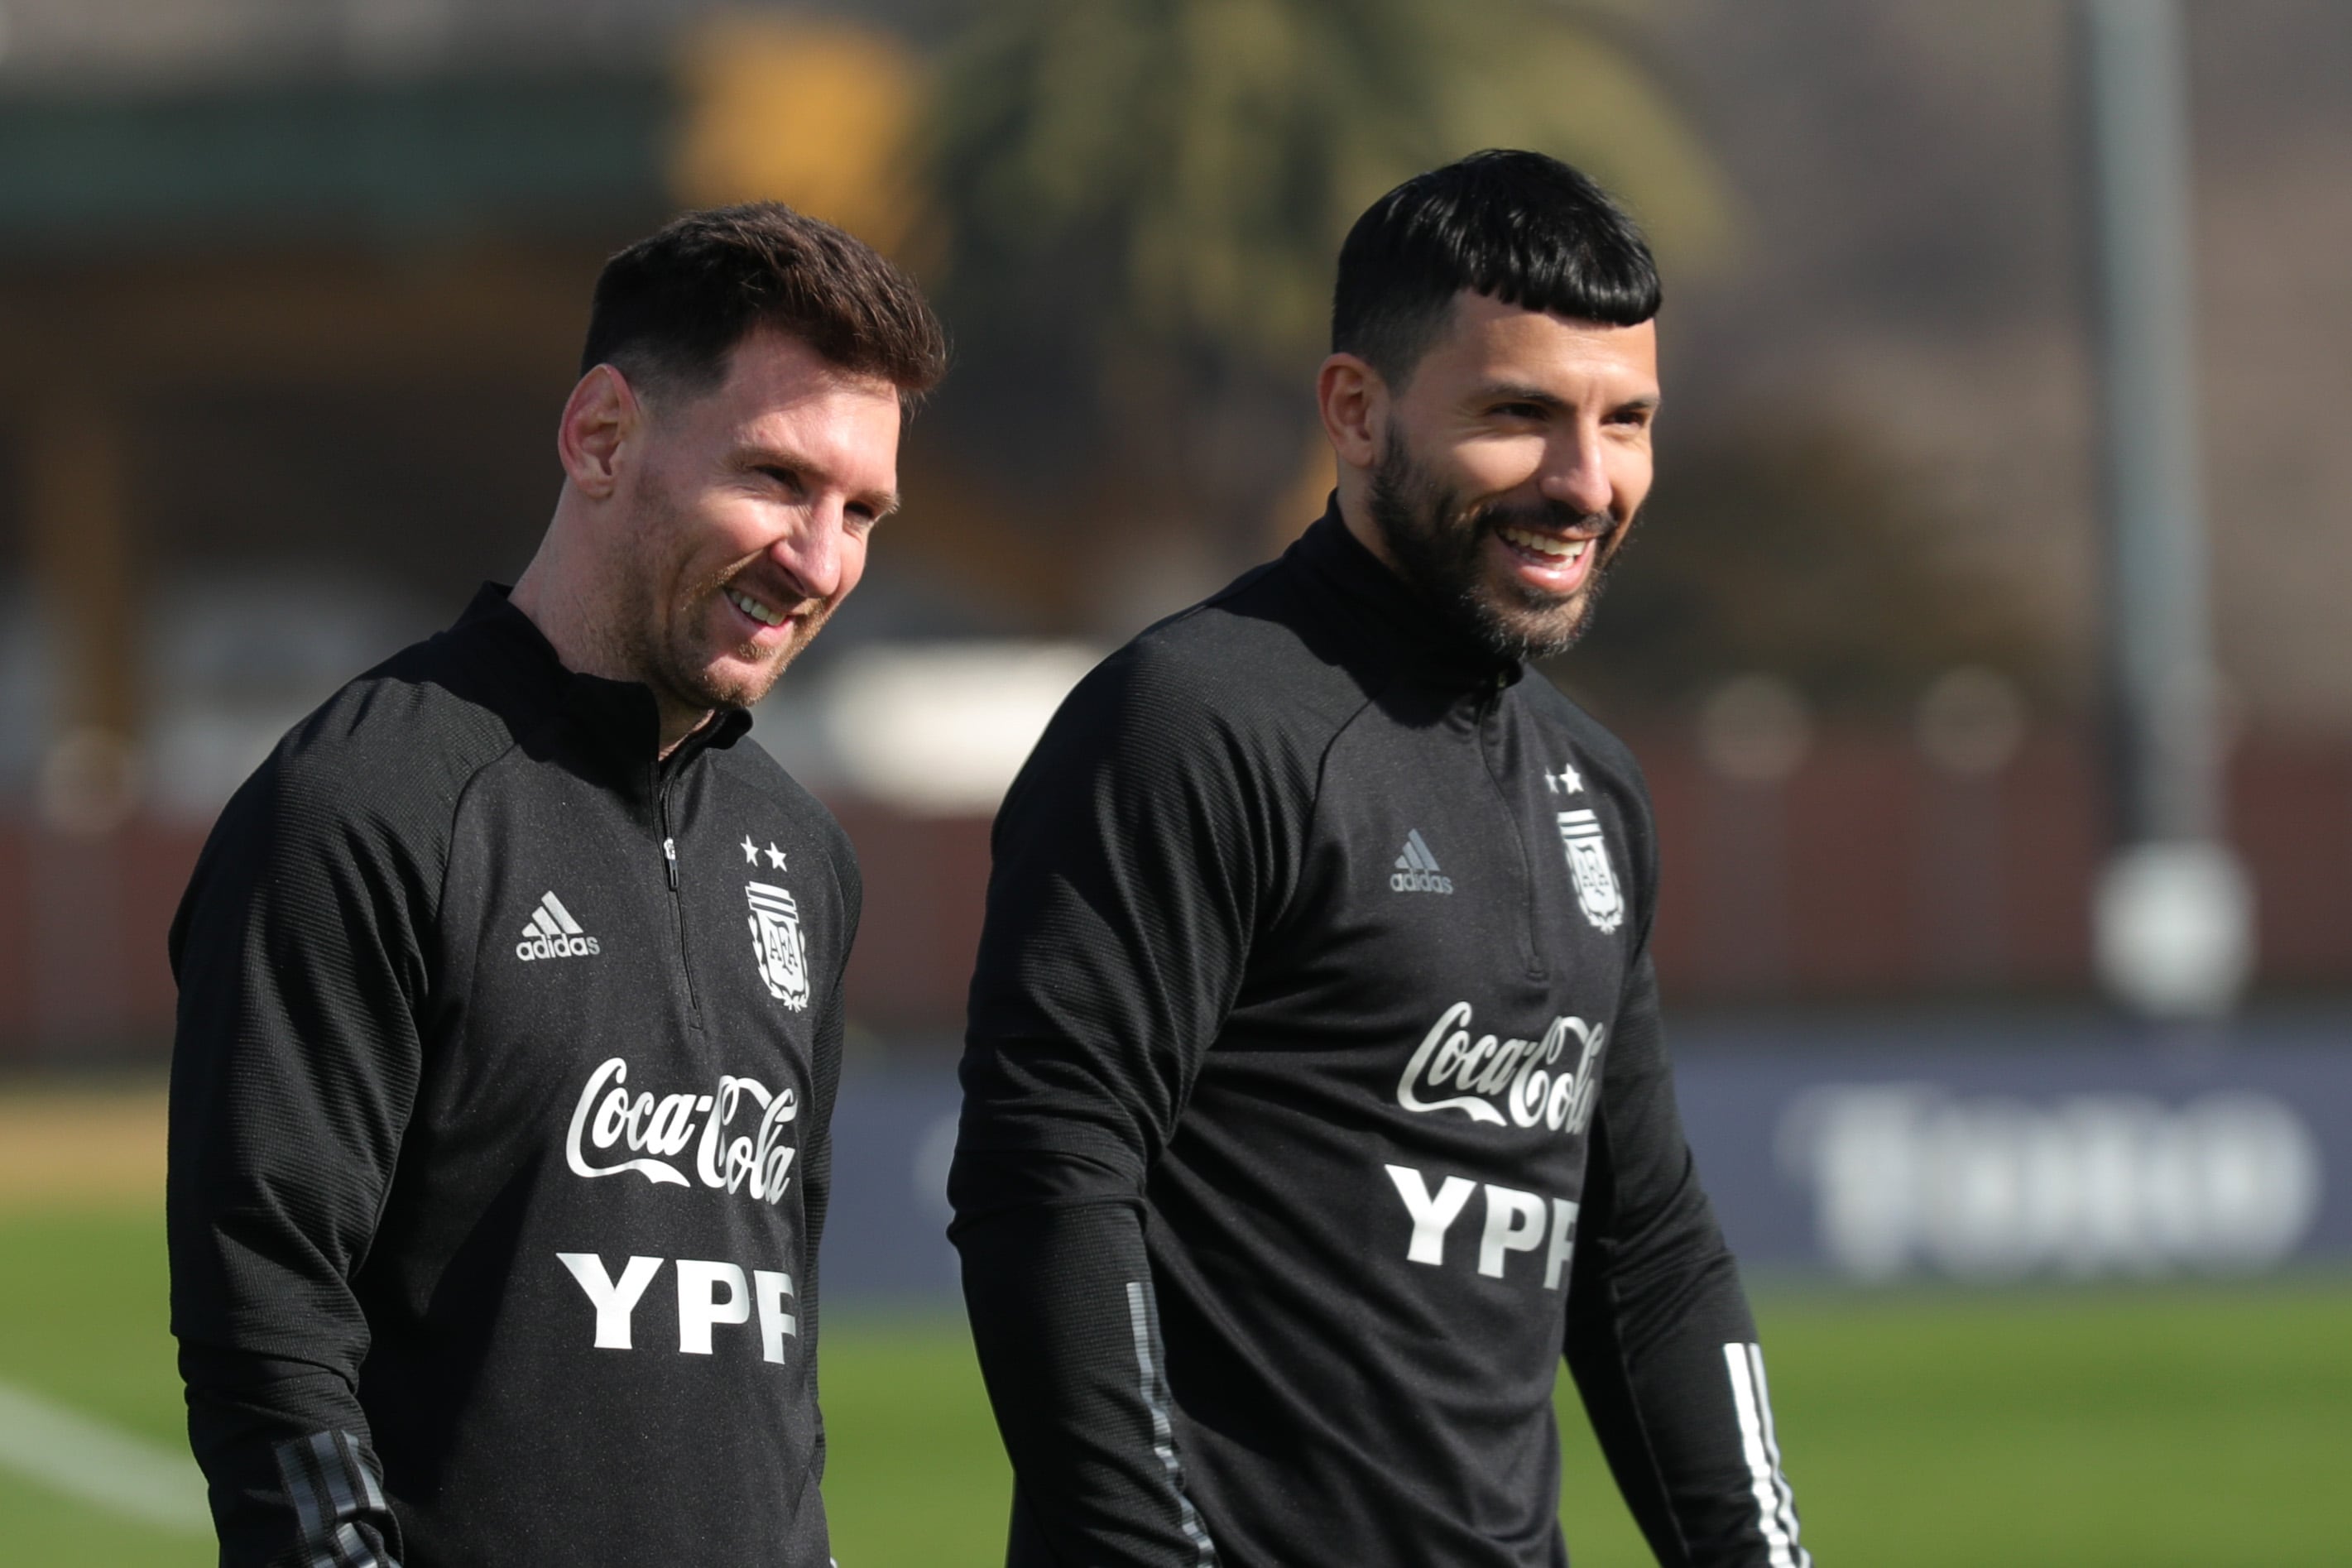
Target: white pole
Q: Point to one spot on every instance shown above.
(2174, 918)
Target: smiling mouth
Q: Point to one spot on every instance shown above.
(1548, 548)
(754, 609)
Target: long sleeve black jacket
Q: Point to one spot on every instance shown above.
(505, 1060)
(1316, 1105)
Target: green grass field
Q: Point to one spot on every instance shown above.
(2199, 1425)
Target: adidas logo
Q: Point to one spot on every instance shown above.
(554, 933)
(1416, 869)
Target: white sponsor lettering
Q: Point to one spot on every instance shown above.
(1908, 1176)
(1563, 1241)
(1515, 1223)
(1431, 1216)
(770, 1289)
(702, 1308)
(614, 1303)
(1516, 1073)
(710, 1296)
(756, 1160)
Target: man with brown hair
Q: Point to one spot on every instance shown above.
(511, 984)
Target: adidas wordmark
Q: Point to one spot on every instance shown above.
(554, 933)
(1417, 870)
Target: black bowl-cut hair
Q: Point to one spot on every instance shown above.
(1520, 227)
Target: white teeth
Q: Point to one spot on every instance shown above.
(1560, 551)
(754, 609)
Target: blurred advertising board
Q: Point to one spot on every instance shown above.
(1984, 1154)
(2034, 1159)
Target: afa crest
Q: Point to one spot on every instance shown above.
(777, 944)
(1588, 861)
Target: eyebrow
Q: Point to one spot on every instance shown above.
(1518, 391)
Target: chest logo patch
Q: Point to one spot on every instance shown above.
(777, 944)
(1588, 861)
(1416, 869)
(554, 933)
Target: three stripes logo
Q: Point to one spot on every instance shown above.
(1776, 1510)
(1417, 870)
(554, 933)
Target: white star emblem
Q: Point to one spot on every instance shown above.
(776, 856)
(1569, 779)
(751, 850)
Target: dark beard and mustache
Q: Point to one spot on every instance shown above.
(1439, 547)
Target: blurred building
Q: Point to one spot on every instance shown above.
(291, 289)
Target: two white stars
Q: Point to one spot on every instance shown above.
(1566, 779)
(752, 853)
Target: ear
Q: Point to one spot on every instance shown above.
(601, 421)
(1354, 401)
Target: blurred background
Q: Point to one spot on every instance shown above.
(2047, 1182)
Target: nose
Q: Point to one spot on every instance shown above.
(1574, 473)
(811, 553)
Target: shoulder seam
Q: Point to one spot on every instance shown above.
(456, 804)
(1315, 800)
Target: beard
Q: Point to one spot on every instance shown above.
(667, 648)
(1439, 545)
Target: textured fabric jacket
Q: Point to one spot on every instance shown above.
(505, 1060)
(1316, 1104)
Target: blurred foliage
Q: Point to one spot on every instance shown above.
(1806, 552)
(1148, 196)
(1221, 147)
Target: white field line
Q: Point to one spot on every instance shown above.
(92, 1461)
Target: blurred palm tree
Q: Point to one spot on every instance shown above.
(1148, 195)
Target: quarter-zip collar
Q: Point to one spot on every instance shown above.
(620, 719)
(1393, 620)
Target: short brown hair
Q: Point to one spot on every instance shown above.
(670, 309)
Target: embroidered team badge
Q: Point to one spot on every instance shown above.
(1588, 861)
(777, 944)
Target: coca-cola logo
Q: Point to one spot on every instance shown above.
(656, 1129)
(1516, 1082)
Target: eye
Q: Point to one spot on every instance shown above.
(786, 478)
(1530, 412)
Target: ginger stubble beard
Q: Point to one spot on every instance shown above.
(674, 660)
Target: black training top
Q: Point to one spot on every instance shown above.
(499, 1161)
(1315, 1045)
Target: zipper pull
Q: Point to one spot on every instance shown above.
(670, 862)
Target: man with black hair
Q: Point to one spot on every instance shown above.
(511, 1007)
(1316, 1103)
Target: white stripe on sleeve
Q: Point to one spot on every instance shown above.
(1776, 1509)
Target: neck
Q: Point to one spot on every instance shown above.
(574, 608)
(1356, 513)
